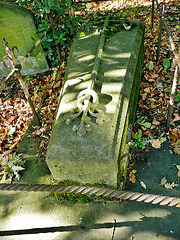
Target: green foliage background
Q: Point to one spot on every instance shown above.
(65, 27)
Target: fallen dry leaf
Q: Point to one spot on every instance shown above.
(3, 134)
(151, 80)
(176, 144)
(155, 122)
(147, 133)
(147, 90)
(156, 143)
(153, 92)
(176, 117)
(175, 132)
(142, 184)
(177, 150)
(155, 76)
(161, 94)
(154, 105)
(132, 177)
(144, 96)
(178, 167)
(163, 181)
(170, 185)
(167, 185)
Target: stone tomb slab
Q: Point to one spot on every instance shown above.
(18, 28)
(88, 144)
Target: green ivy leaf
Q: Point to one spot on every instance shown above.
(166, 63)
(33, 39)
(47, 9)
(146, 124)
(163, 139)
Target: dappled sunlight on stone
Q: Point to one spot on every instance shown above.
(74, 74)
(115, 73)
(86, 58)
(122, 55)
(71, 104)
(114, 90)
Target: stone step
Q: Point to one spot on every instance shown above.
(97, 104)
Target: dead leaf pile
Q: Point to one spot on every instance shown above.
(15, 113)
(15, 116)
(156, 84)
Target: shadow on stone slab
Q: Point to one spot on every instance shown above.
(96, 221)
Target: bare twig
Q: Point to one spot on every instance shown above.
(16, 71)
(114, 229)
(176, 75)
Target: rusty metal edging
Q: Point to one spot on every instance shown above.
(86, 190)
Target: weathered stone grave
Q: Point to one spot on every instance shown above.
(97, 104)
(18, 28)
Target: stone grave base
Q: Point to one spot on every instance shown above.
(92, 147)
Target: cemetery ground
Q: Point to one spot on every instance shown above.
(154, 165)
